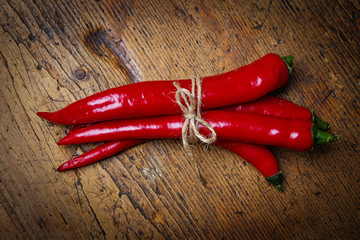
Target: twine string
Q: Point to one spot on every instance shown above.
(190, 105)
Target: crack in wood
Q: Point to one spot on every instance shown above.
(328, 95)
(78, 184)
(100, 43)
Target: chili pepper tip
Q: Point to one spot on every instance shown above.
(63, 141)
(276, 180)
(65, 166)
(61, 168)
(47, 116)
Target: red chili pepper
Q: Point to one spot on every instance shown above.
(270, 106)
(259, 156)
(295, 134)
(94, 155)
(158, 97)
(278, 107)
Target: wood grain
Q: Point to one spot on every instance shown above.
(55, 52)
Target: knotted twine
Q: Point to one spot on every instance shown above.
(190, 105)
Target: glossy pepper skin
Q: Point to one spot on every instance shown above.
(231, 126)
(278, 107)
(153, 98)
(267, 105)
(103, 151)
(272, 106)
(254, 154)
(259, 156)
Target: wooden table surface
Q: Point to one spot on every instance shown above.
(55, 52)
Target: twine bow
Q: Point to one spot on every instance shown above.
(190, 104)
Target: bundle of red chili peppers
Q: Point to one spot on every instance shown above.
(235, 104)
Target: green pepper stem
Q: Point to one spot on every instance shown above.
(289, 62)
(276, 180)
(321, 137)
(320, 124)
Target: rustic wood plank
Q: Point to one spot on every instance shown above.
(55, 52)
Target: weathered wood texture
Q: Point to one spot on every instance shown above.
(54, 52)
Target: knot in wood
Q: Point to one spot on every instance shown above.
(80, 73)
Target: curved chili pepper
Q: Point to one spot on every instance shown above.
(152, 98)
(278, 107)
(295, 134)
(259, 156)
